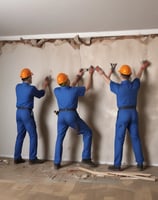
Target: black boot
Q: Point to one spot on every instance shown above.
(36, 161)
(140, 167)
(57, 166)
(19, 161)
(89, 162)
(114, 168)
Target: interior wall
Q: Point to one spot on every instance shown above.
(97, 108)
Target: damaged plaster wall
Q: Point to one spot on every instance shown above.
(97, 108)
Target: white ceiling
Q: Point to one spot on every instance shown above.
(44, 17)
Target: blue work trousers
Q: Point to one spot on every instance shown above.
(127, 119)
(25, 123)
(71, 119)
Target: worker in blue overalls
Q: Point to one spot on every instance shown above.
(25, 94)
(127, 116)
(67, 98)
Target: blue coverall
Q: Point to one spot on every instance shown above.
(25, 94)
(127, 118)
(67, 99)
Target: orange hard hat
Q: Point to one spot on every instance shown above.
(62, 78)
(125, 70)
(25, 73)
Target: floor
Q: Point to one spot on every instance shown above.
(43, 182)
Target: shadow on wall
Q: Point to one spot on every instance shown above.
(44, 132)
(91, 103)
(143, 123)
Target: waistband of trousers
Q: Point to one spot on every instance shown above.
(23, 108)
(67, 109)
(126, 107)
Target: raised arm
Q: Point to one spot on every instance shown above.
(144, 65)
(89, 82)
(78, 77)
(103, 74)
(46, 82)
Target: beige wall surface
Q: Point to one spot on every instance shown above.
(97, 108)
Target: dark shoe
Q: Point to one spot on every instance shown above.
(18, 161)
(89, 162)
(140, 167)
(114, 168)
(36, 161)
(57, 166)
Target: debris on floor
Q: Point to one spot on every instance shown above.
(42, 181)
(121, 175)
(71, 172)
(4, 161)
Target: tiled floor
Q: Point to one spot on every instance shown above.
(42, 182)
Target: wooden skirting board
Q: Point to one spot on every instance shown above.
(121, 175)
